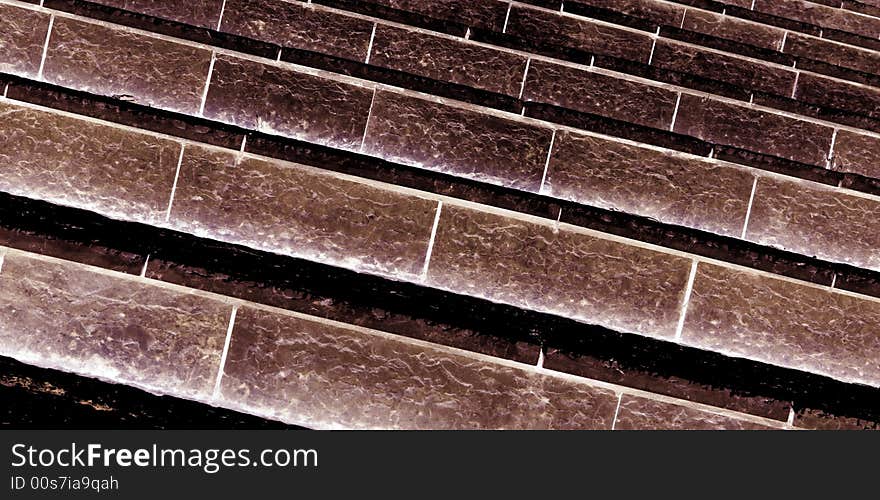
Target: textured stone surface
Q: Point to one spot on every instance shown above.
(831, 52)
(858, 153)
(68, 161)
(819, 420)
(660, 13)
(22, 35)
(559, 271)
(600, 94)
(785, 323)
(747, 73)
(299, 211)
(838, 94)
(66, 316)
(578, 32)
(821, 15)
(285, 102)
(482, 14)
(449, 60)
(118, 62)
(813, 219)
(732, 28)
(328, 376)
(664, 185)
(755, 130)
(459, 141)
(203, 13)
(638, 413)
(298, 25)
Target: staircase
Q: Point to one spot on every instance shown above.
(590, 214)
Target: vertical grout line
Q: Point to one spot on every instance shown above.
(280, 50)
(683, 15)
(797, 77)
(220, 19)
(370, 47)
(174, 185)
(207, 83)
(431, 241)
(369, 115)
(653, 46)
(831, 149)
(224, 353)
(784, 39)
(687, 298)
(753, 5)
(522, 87)
(616, 410)
(46, 47)
(506, 17)
(790, 421)
(144, 269)
(467, 33)
(712, 152)
(243, 143)
(540, 363)
(675, 113)
(751, 98)
(749, 209)
(834, 281)
(547, 163)
(5, 90)
(592, 60)
(2, 258)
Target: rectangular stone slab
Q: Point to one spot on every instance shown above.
(668, 186)
(831, 52)
(821, 15)
(204, 13)
(784, 322)
(446, 59)
(115, 61)
(732, 28)
(750, 74)
(813, 219)
(71, 161)
(71, 317)
(600, 94)
(659, 13)
(457, 140)
(22, 36)
(298, 25)
(578, 32)
(741, 126)
(857, 152)
(562, 271)
(300, 211)
(328, 375)
(480, 14)
(838, 94)
(283, 101)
